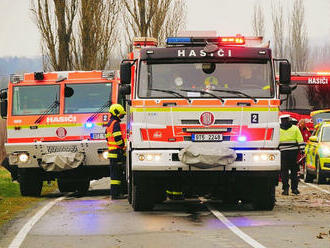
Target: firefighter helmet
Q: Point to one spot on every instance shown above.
(117, 110)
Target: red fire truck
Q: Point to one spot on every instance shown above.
(195, 102)
(55, 127)
(311, 92)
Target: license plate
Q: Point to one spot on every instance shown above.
(206, 137)
(98, 136)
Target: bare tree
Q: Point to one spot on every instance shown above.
(96, 35)
(298, 40)
(278, 28)
(55, 21)
(258, 20)
(155, 18)
(79, 35)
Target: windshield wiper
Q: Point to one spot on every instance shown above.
(171, 92)
(51, 107)
(92, 117)
(237, 93)
(204, 92)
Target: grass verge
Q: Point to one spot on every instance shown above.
(11, 201)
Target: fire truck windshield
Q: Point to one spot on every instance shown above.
(306, 98)
(252, 79)
(87, 98)
(34, 100)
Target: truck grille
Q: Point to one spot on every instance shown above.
(52, 149)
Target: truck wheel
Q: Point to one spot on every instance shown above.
(160, 195)
(308, 178)
(82, 187)
(129, 192)
(319, 177)
(265, 197)
(65, 185)
(142, 199)
(30, 182)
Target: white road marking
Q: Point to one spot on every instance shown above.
(234, 228)
(18, 240)
(316, 187)
(20, 236)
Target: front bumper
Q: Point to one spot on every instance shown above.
(91, 149)
(166, 160)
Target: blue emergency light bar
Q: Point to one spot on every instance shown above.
(234, 40)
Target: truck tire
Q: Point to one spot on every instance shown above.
(30, 182)
(265, 196)
(65, 185)
(159, 195)
(82, 187)
(142, 198)
(129, 192)
(308, 178)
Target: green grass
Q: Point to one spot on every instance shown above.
(11, 201)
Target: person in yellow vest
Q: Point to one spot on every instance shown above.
(116, 150)
(291, 141)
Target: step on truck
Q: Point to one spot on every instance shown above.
(56, 128)
(199, 94)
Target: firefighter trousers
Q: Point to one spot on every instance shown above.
(116, 176)
(289, 163)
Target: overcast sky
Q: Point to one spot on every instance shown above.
(20, 37)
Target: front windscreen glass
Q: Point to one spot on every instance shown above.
(253, 79)
(307, 97)
(34, 100)
(87, 98)
(326, 134)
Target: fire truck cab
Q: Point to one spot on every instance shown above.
(202, 92)
(311, 92)
(56, 127)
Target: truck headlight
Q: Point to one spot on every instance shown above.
(264, 157)
(105, 154)
(23, 157)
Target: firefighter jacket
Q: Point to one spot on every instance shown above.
(115, 140)
(291, 139)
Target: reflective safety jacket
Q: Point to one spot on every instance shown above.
(291, 139)
(114, 137)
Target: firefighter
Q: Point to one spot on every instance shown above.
(291, 141)
(116, 148)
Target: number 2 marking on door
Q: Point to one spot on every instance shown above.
(254, 118)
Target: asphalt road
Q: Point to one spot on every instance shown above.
(95, 221)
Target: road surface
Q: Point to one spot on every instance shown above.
(96, 221)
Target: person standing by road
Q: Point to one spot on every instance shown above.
(305, 132)
(291, 141)
(116, 150)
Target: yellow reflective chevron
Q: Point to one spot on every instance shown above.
(115, 182)
(116, 133)
(111, 155)
(119, 142)
(267, 87)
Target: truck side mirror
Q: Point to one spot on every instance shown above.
(125, 89)
(68, 91)
(3, 108)
(3, 104)
(125, 73)
(285, 72)
(285, 89)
